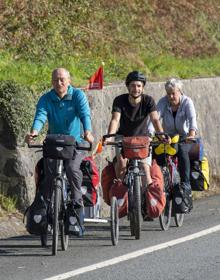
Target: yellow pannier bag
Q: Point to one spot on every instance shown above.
(199, 177)
(170, 149)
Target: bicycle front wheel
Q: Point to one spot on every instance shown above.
(165, 216)
(56, 211)
(178, 219)
(137, 207)
(114, 221)
(64, 237)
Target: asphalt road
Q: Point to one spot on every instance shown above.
(175, 254)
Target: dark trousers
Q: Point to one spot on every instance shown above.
(184, 164)
(73, 173)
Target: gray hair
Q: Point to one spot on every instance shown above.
(63, 70)
(174, 83)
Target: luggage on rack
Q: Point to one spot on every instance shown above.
(135, 147)
(182, 202)
(107, 179)
(90, 181)
(196, 151)
(37, 216)
(199, 175)
(154, 197)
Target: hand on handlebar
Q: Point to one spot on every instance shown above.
(190, 139)
(88, 136)
(29, 138)
(164, 137)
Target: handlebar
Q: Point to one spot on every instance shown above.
(78, 146)
(152, 143)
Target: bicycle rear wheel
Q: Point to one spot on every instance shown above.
(137, 207)
(56, 210)
(114, 221)
(64, 237)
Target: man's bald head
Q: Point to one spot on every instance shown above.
(61, 81)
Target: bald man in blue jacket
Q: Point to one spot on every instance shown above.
(66, 109)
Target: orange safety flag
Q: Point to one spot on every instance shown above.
(96, 81)
(98, 149)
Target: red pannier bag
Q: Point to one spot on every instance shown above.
(155, 195)
(107, 179)
(135, 147)
(90, 181)
(120, 191)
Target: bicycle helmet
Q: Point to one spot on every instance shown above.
(135, 76)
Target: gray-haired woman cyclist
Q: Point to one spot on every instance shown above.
(178, 116)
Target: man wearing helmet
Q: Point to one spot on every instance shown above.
(130, 115)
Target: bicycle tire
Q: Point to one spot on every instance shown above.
(179, 219)
(64, 238)
(130, 209)
(165, 217)
(137, 207)
(43, 239)
(114, 221)
(131, 219)
(56, 210)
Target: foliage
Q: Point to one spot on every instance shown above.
(17, 107)
(37, 36)
(7, 204)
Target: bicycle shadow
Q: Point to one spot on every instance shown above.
(22, 246)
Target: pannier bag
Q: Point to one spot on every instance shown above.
(120, 191)
(90, 181)
(160, 151)
(58, 146)
(135, 147)
(196, 151)
(154, 195)
(37, 216)
(39, 173)
(199, 175)
(73, 221)
(107, 178)
(181, 201)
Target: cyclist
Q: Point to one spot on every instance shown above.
(130, 115)
(65, 108)
(178, 116)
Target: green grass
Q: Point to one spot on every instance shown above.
(161, 38)
(7, 204)
(37, 75)
(164, 66)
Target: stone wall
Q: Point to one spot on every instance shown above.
(206, 96)
(17, 163)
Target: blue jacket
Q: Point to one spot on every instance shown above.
(64, 115)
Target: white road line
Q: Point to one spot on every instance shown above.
(134, 254)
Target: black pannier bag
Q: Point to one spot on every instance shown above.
(90, 182)
(180, 202)
(37, 216)
(58, 146)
